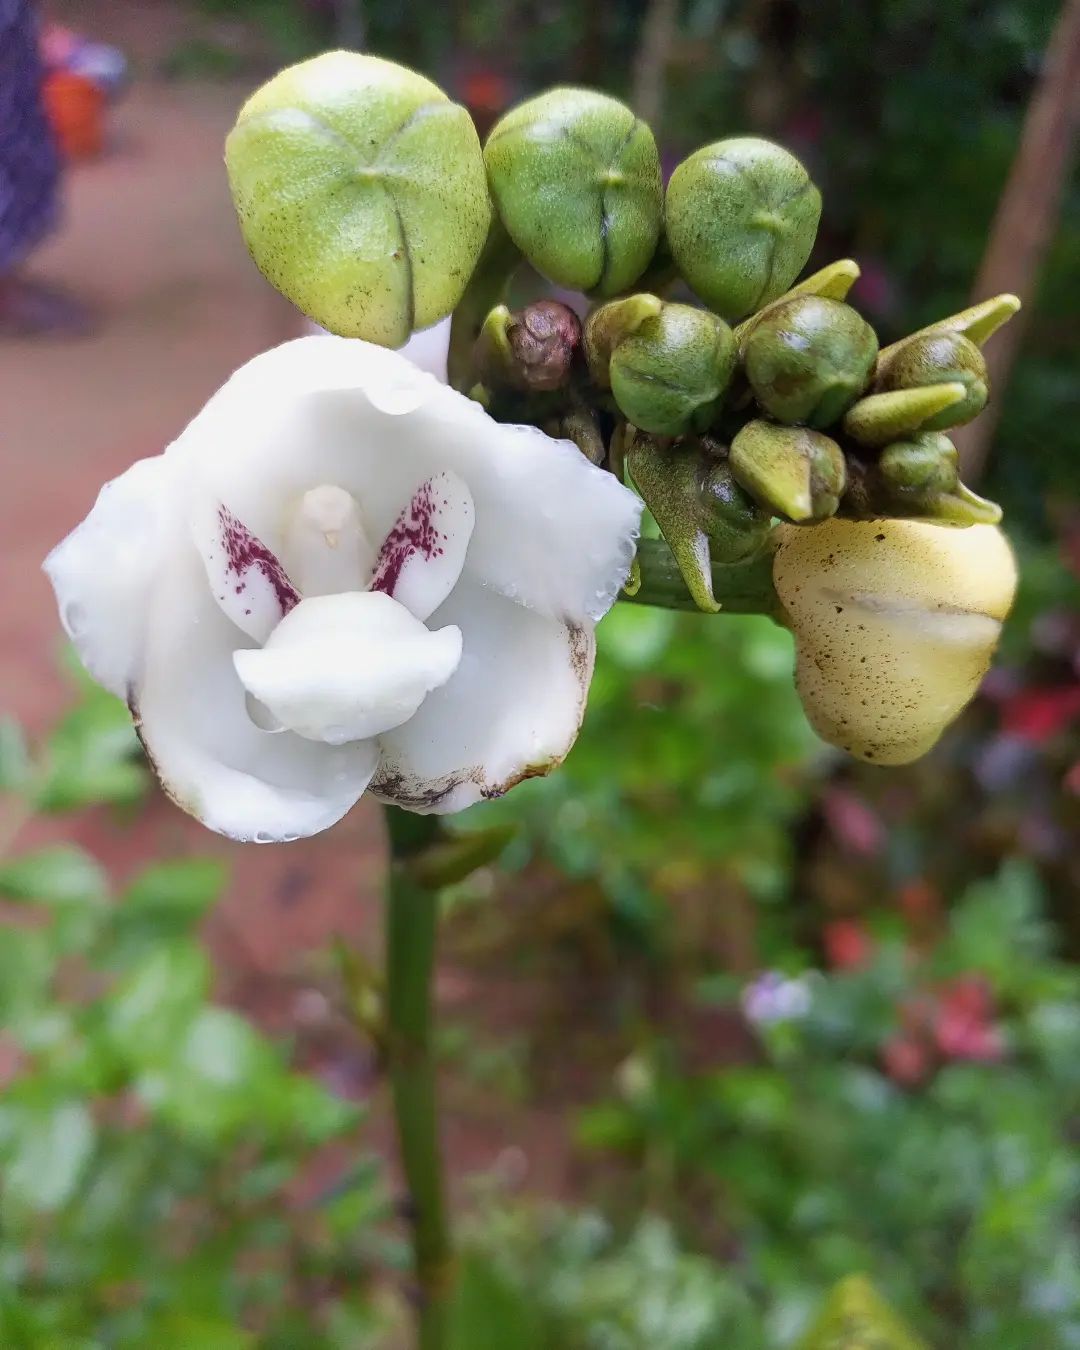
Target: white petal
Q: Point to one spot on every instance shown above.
(422, 556)
(246, 577)
(552, 531)
(212, 760)
(427, 349)
(511, 711)
(344, 668)
(102, 572)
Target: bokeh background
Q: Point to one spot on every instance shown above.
(735, 1018)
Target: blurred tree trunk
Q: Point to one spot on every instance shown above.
(651, 61)
(1027, 216)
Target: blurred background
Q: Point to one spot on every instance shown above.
(736, 1017)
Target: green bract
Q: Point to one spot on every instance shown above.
(670, 375)
(809, 359)
(797, 473)
(361, 194)
(741, 217)
(576, 180)
(917, 479)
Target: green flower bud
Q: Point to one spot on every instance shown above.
(939, 358)
(916, 479)
(741, 218)
(809, 359)
(361, 194)
(703, 513)
(797, 473)
(669, 377)
(611, 324)
(576, 181)
(832, 282)
(878, 419)
(895, 624)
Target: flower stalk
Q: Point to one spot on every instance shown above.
(411, 934)
(739, 588)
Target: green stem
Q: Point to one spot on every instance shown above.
(741, 588)
(497, 264)
(411, 926)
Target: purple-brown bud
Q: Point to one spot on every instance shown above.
(543, 338)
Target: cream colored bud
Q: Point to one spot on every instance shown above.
(895, 625)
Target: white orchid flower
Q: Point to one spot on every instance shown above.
(346, 576)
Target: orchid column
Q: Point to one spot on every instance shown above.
(348, 575)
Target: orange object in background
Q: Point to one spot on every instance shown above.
(76, 111)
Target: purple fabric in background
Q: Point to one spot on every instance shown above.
(29, 163)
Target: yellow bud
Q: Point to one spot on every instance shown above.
(895, 625)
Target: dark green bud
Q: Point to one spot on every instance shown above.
(795, 472)
(856, 1317)
(701, 510)
(579, 424)
(576, 182)
(809, 359)
(938, 357)
(833, 281)
(916, 479)
(669, 377)
(741, 218)
(361, 194)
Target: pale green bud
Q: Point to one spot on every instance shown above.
(576, 181)
(361, 194)
(741, 218)
(809, 359)
(856, 1317)
(670, 375)
(934, 358)
(703, 513)
(797, 473)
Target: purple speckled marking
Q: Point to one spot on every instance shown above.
(243, 551)
(414, 535)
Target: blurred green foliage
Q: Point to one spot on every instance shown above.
(148, 1135)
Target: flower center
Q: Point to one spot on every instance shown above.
(326, 547)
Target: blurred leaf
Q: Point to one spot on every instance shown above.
(92, 756)
(163, 903)
(56, 876)
(14, 758)
(46, 1149)
(490, 1312)
(148, 1013)
(179, 1332)
(856, 1317)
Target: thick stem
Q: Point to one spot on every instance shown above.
(411, 926)
(497, 264)
(740, 588)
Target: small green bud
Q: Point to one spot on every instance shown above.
(938, 358)
(361, 194)
(611, 324)
(669, 377)
(878, 419)
(795, 472)
(976, 323)
(916, 479)
(576, 181)
(741, 218)
(832, 282)
(702, 511)
(809, 359)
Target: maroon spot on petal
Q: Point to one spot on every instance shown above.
(413, 535)
(243, 551)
